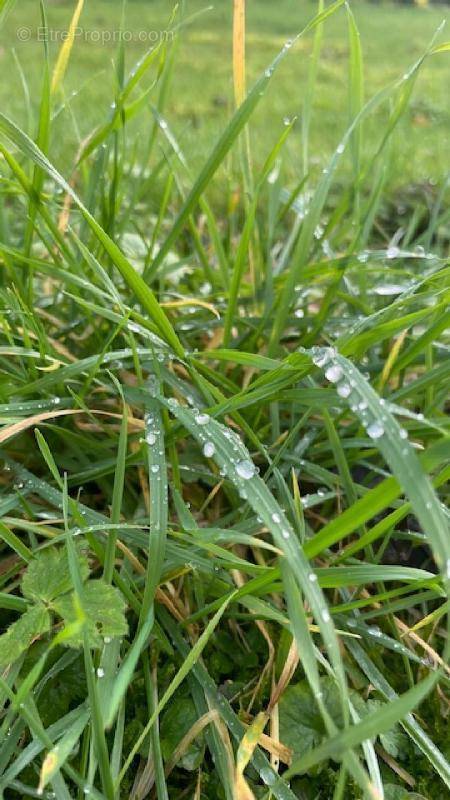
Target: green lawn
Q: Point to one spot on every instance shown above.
(392, 37)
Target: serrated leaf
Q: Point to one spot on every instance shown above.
(104, 609)
(370, 726)
(301, 723)
(21, 634)
(48, 575)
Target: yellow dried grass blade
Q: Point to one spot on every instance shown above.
(66, 49)
(392, 357)
(245, 753)
(239, 51)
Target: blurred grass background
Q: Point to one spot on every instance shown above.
(392, 37)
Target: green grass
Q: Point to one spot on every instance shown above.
(224, 382)
(392, 36)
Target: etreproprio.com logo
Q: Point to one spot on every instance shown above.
(93, 35)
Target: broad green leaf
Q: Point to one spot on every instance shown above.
(301, 724)
(104, 609)
(21, 634)
(372, 725)
(48, 575)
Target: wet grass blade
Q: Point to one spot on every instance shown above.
(184, 670)
(392, 441)
(229, 136)
(133, 279)
(116, 506)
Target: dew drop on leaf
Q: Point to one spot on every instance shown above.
(375, 430)
(245, 469)
(344, 390)
(333, 373)
(209, 449)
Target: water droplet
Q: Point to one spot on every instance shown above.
(205, 289)
(325, 614)
(209, 449)
(150, 438)
(392, 252)
(312, 577)
(320, 360)
(334, 373)
(285, 534)
(154, 468)
(403, 433)
(388, 289)
(344, 390)
(245, 469)
(340, 148)
(375, 430)
(276, 518)
(299, 313)
(100, 672)
(202, 419)
(319, 231)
